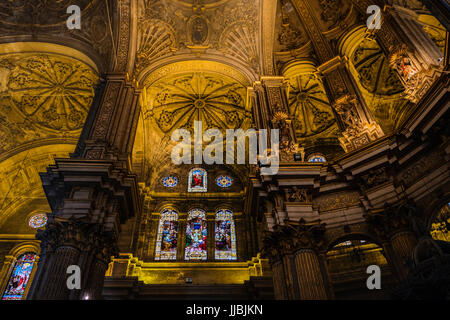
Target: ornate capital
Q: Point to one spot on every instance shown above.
(393, 220)
(80, 235)
(290, 238)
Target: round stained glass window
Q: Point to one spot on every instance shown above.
(224, 181)
(316, 158)
(170, 181)
(38, 221)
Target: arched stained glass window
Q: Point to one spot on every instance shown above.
(197, 180)
(196, 234)
(20, 277)
(225, 236)
(166, 240)
(316, 158)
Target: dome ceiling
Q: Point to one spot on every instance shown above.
(375, 74)
(42, 96)
(216, 27)
(308, 103)
(178, 101)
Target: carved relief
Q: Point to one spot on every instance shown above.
(42, 96)
(178, 101)
(336, 201)
(309, 107)
(297, 195)
(374, 178)
(357, 132)
(155, 39)
(375, 75)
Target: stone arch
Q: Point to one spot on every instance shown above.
(316, 125)
(379, 84)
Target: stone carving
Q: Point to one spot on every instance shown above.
(331, 11)
(357, 132)
(43, 12)
(374, 178)
(286, 239)
(106, 111)
(155, 39)
(374, 71)
(180, 100)
(79, 235)
(396, 219)
(295, 194)
(308, 104)
(123, 43)
(53, 91)
(336, 201)
(239, 40)
(198, 30)
(416, 170)
(230, 27)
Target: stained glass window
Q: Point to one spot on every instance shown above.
(170, 181)
(197, 180)
(224, 181)
(225, 236)
(196, 234)
(38, 221)
(316, 158)
(166, 239)
(20, 277)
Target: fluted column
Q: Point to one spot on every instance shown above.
(403, 244)
(398, 229)
(309, 274)
(72, 243)
(293, 252)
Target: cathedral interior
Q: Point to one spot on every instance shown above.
(358, 91)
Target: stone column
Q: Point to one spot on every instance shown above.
(309, 274)
(403, 244)
(67, 243)
(297, 271)
(398, 230)
(210, 240)
(181, 238)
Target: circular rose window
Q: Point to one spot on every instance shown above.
(224, 181)
(38, 221)
(170, 181)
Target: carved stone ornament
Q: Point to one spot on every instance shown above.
(289, 238)
(80, 235)
(357, 132)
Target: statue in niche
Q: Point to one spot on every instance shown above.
(199, 30)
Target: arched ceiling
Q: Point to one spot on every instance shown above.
(176, 95)
(312, 115)
(45, 21)
(216, 100)
(374, 72)
(43, 96)
(226, 30)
